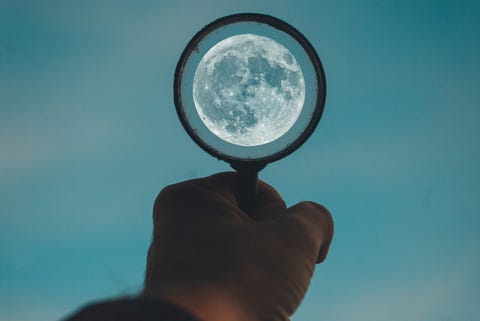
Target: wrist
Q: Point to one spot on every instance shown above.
(205, 304)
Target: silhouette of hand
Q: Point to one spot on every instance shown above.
(221, 263)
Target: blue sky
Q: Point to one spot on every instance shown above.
(89, 136)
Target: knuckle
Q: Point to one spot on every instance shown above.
(317, 212)
(170, 192)
(167, 197)
(316, 220)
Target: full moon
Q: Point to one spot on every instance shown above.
(248, 90)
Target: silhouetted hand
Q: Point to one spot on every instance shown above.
(220, 263)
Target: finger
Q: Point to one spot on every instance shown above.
(199, 198)
(269, 203)
(309, 227)
(216, 191)
(221, 184)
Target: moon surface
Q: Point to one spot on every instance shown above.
(248, 90)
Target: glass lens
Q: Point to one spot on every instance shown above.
(248, 90)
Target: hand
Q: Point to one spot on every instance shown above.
(220, 263)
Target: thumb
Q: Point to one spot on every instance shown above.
(309, 227)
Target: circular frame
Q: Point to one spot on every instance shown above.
(193, 46)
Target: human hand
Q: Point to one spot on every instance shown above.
(221, 263)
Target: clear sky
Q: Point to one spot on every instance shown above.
(89, 136)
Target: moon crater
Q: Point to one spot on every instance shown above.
(248, 90)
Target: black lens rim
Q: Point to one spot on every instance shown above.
(275, 23)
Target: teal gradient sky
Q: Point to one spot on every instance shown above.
(89, 136)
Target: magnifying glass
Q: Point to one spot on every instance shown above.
(249, 89)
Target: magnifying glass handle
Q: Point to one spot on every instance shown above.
(247, 186)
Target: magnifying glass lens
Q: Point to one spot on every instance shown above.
(248, 90)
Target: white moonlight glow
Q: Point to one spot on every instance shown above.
(248, 90)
